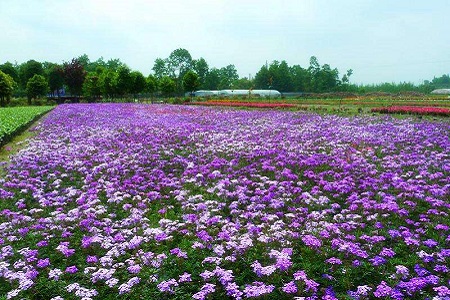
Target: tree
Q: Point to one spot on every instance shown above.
(37, 87)
(152, 84)
(55, 75)
(282, 78)
(178, 63)
(114, 64)
(160, 68)
(28, 70)
(200, 67)
(85, 62)
(301, 78)
(6, 88)
(212, 79)
(91, 86)
(139, 83)
(167, 86)
(191, 81)
(74, 75)
(11, 70)
(228, 75)
(107, 84)
(243, 84)
(262, 78)
(123, 80)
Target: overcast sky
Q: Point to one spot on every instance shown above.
(381, 40)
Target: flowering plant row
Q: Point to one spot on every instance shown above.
(413, 110)
(180, 202)
(233, 103)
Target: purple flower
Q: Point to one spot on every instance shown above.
(377, 261)
(71, 269)
(290, 288)
(91, 259)
(383, 290)
(334, 261)
(43, 263)
(257, 289)
(185, 277)
(167, 286)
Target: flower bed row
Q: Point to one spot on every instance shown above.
(15, 119)
(436, 111)
(181, 202)
(245, 104)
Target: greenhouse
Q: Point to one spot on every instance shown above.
(231, 93)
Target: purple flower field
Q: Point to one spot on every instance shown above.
(126, 201)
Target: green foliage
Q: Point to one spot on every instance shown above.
(228, 75)
(191, 81)
(277, 76)
(28, 70)
(107, 84)
(167, 86)
(212, 79)
(159, 68)
(55, 75)
(139, 83)
(243, 84)
(123, 81)
(179, 62)
(37, 87)
(14, 119)
(11, 70)
(151, 84)
(6, 88)
(200, 66)
(91, 86)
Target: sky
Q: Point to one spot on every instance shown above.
(381, 40)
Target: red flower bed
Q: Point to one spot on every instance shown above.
(436, 111)
(245, 104)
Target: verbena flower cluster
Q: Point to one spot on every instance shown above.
(156, 202)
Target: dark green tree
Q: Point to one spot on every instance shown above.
(37, 87)
(191, 81)
(6, 88)
(178, 63)
(107, 84)
(212, 79)
(200, 66)
(114, 64)
(263, 78)
(160, 68)
(11, 70)
(228, 75)
(28, 70)
(123, 80)
(167, 86)
(55, 75)
(282, 78)
(151, 84)
(139, 83)
(301, 79)
(91, 87)
(243, 84)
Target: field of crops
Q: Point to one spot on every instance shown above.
(413, 110)
(14, 119)
(179, 202)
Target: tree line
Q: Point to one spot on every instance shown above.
(177, 74)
